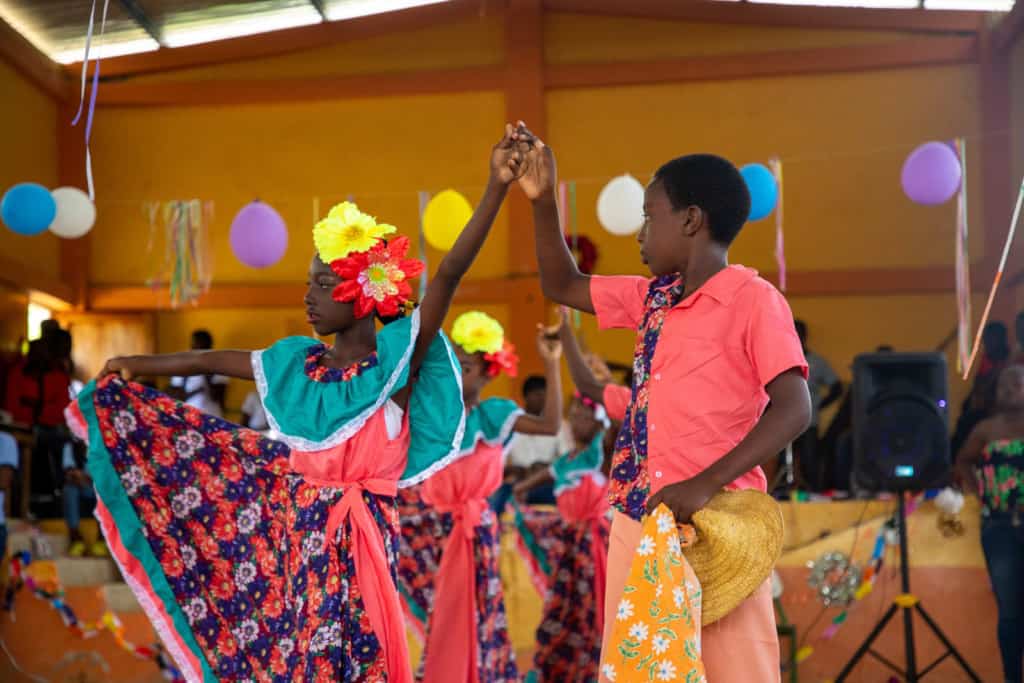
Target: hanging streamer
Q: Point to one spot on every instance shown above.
(995, 282)
(92, 94)
(780, 244)
(424, 199)
(316, 210)
(963, 266)
(187, 268)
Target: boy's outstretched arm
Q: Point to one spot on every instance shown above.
(560, 277)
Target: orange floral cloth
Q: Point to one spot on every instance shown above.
(656, 636)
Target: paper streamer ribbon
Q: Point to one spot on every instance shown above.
(775, 164)
(867, 583)
(995, 282)
(963, 266)
(54, 595)
(424, 199)
(92, 93)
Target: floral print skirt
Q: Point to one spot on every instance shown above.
(228, 543)
(568, 638)
(423, 533)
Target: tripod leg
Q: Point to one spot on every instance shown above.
(945, 641)
(866, 645)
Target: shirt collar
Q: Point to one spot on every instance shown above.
(722, 286)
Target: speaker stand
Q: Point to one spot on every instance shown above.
(906, 602)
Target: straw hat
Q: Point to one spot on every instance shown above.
(739, 539)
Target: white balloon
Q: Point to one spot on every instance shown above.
(620, 206)
(76, 213)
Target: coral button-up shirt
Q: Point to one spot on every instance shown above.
(717, 351)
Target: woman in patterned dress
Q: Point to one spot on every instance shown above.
(567, 552)
(270, 560)
(448, 565)
(991, 465)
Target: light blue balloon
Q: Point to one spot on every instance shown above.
(764, 191)
(28, 209)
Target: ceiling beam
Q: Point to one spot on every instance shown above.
(318, 5)
(213, 92)
(293, 39)
(907, 53)
(139, 16)
(856, 18)
(911, 52)
(32, 64)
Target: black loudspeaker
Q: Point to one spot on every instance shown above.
(900, 421)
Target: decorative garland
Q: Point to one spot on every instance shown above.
(54, 595)
(868, 577)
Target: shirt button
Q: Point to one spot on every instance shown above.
(651, 427)
(657, 475)
(657, 376)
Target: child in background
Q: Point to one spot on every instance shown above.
(448, 566)
(78, 492)
(567, 549)
(715, 343)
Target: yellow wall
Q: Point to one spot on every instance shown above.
(843, 138)
(381, 151)
(28, 153)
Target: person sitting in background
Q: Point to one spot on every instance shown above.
(826, 389)
(530, 452)
(78, 491)
(37, 393)
(205, 392)
(8, 464)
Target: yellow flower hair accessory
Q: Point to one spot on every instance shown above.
(347, 230)
(478, 332)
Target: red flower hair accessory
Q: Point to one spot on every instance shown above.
(505, 361)
(377, 279)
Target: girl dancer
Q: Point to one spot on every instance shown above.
(273, 560)
(448, 569)
(567, 551)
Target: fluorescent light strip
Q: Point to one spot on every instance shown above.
(350, 9)
(106, 50)
(264, 22)
(863, 4)
(976, 5)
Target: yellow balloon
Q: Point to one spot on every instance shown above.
(443, 219)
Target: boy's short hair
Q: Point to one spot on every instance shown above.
(713, 184)
(534, 383)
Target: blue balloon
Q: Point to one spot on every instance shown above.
(28, 209)
(764, 191)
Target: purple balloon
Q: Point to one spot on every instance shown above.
(259, 237)
(932, 173)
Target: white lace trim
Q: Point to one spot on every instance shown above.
(453, 453)
(350, 428)
(505, 433)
